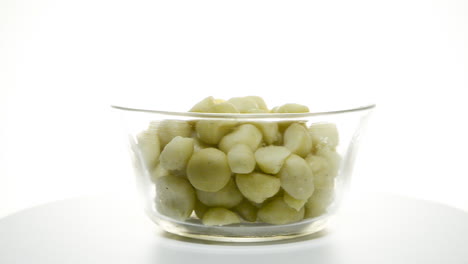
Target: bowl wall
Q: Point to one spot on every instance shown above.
(338, 146)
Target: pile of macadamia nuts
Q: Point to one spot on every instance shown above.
(225, 171)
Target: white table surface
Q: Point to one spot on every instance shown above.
(370, 229)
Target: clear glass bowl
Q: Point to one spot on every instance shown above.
(328, 192)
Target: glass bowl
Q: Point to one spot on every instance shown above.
(175, 203)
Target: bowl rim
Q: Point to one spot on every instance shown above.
(247, 115)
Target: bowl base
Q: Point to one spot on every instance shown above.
(249, 232)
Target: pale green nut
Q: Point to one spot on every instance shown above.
(220, 217)
(208, 170)
(324, 134)
(260, 102)
(293, 202)
(205, 105)
(177, 153)
(246, 134)
(270, 159)
(270, 131)
(297, 139)
(324, 173)
(333, 158)
(244, 104)
(169, 129)
(175, 197)
(229, 196)
(241, 159)
(224, 107)
(297, 178)
(277, 212)
(212, 131)
(149, 149)
(257, 187)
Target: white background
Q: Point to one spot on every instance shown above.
(63, 62)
